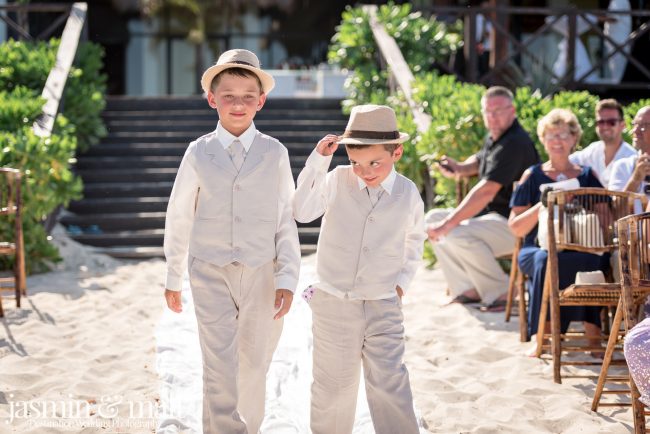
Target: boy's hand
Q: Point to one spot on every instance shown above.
(327, 145)
(400, 291)
(283, 299)
(174, 300)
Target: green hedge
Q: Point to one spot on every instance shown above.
(457, 128)
(48, 180)
(28, 65)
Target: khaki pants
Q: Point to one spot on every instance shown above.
(237, 333)
(467, 254)
(347, 332)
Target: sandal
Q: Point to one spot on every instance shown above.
(495, 306)
(463, 299)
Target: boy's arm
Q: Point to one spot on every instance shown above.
(178, 222)
(413, 245)
(287, 246)
(314, 184)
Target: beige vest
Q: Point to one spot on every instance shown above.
(236, 213)
(361, 248)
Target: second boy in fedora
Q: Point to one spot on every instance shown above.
(229, 216)
(369, 248)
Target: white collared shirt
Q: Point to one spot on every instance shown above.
(226, 138)
(594, 157)
(317, 188)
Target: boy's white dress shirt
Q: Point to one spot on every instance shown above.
(594, 157)
(183, 203)
(317, 189)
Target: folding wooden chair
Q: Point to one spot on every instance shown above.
(581, 220)
(634, 266)
(517, 283)
(10, 205)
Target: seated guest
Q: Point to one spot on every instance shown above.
(559, 132)
(630, 173)
(602, 154)
(467, 239)
(637, 355)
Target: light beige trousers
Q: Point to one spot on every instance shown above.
(467, 254)
(237, 333)
(346, 333)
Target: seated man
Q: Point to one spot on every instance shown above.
(467, 239)
(602, 154)
(629, 174)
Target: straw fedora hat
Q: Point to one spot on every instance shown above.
(372, 125)
(238, 58)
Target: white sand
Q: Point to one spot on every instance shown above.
(87, 335)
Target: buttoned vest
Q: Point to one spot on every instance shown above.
(361, 248)
(236, 213)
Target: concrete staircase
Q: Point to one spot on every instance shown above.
(128, 176)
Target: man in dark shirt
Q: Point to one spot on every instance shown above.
(467, 239)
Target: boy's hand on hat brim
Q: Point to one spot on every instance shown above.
(173, 299)
(283, 300)
(327, 145)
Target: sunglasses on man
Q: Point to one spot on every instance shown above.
(610, 122)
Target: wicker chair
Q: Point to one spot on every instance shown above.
(634, 266)
(10, 207)
(585, 222)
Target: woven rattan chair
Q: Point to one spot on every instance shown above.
(10, 208)
(634, 266)
(584, 221)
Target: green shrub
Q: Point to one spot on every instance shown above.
(27, 65)
(48, 181)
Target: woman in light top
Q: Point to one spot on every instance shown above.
(559, 132)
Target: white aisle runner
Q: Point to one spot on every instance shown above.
(178, 364)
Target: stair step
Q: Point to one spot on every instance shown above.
(195, 126)
(209, 115)
(158, 103)
(186, 137)
(155, 236)
(111, 222)
(119, 205)
(148, 162)
(90, 176)
(126, 150)
(150, 238)
(128, 189)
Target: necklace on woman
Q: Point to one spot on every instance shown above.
(561, 177)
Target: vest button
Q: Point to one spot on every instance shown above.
(237, 219)
(366, 250)
(237, 187)
(359, 279)
(371, 219)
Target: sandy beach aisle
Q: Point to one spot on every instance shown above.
(88, 335)
(82, 344)
(469, 373)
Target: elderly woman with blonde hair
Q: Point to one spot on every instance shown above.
(559, 132)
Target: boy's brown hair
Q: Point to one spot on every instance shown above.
(390, 147)
(236, 72)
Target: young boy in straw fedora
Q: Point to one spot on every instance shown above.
(229, 216)
(370, 245)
